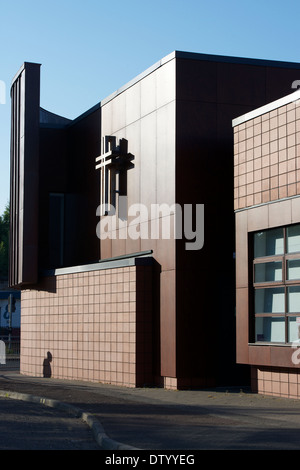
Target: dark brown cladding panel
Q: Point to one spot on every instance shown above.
(24, 175)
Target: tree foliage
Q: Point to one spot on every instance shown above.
(4, 242)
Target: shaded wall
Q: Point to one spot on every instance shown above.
(24, 175)
(67, 167)
(209, 95)
(84, 137)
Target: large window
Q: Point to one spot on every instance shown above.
(276, 282)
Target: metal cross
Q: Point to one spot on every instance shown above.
(111, 163)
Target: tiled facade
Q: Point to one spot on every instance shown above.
(95, 324)
(276, 382)
(267, 190)
(267, 157)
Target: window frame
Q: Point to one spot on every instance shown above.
(283, 283)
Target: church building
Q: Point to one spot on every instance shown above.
(122, 236)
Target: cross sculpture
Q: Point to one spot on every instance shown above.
(113, 163)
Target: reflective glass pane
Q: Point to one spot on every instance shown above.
(268, 272)
(293, 238)
(270, 329)
(293, 269)
(268, 243)
(270, 300)
(294, 299)
(293, 329)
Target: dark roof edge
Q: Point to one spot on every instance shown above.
(23, 66)
(188, 56)
(52, 120)
(85, 114)
(236, 60)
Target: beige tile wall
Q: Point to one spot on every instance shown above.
(276, 382)
(267, 157)
(96, 325)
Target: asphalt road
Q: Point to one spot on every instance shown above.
(30, 426)
(153, 419)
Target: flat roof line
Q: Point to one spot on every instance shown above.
(295, 96)
(181, 55)
(236, 60)
(201, 57)
(121, 261)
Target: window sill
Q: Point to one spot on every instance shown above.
(265, 343)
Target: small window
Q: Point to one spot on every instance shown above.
(270, 329)
(293, 269)
(293, 239)
(268, 272)
(268, 243)
(270, 300)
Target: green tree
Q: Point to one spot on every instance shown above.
(4, 242)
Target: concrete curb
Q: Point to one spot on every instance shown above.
(98, 431)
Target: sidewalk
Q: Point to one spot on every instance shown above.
(159, 419)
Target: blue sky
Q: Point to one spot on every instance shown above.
(90, 48)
